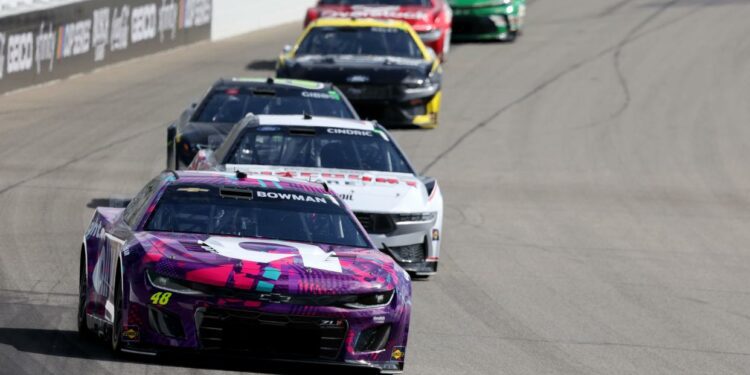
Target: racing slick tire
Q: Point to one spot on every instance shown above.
(171, 149)
(116, 331)
(416, 277)
(83, 329)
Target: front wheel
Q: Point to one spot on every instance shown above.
(116, 335)
(83, 329)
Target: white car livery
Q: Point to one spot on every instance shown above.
(359, 161)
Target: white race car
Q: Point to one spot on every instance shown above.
(360, 161)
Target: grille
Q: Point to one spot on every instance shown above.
(376, 223)
(409, 254)
(474, 25)
(278, 336)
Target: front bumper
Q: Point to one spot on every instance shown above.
(487, 23)
(390, 106)
(256, 329)
(414, 246)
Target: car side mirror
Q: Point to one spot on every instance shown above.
(193, 105)
(287, 48)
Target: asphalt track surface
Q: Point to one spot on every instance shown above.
(596, 181)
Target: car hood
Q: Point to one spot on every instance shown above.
(268, 266)
(410, 14)
(346, 70)
(363, 191)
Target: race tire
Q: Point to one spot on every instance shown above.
(171, 148)
(116, 331)
(170, 157)
(83, 329)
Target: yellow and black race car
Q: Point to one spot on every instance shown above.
(382, 67)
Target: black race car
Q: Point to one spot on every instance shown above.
(204, 125)
(382, 66)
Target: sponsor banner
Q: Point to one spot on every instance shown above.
(58, 42)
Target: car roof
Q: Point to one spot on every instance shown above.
(361, 22)
(234, 179)
(288, 83)
(314, 121)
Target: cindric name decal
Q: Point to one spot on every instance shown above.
(362, 133)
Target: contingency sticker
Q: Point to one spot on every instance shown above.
(398, 353)
(131, 334)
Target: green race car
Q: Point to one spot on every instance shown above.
(487, 19)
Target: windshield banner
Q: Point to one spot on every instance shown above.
(58, 42)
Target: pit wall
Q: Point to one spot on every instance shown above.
(56, 42)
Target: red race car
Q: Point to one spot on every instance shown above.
(431, 19)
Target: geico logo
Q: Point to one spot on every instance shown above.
(289, 197)
(143, 23)
(363, 133)
(20, 52)
(76, 39)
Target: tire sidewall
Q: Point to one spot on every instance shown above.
(116, 332)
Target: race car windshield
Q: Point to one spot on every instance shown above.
(423, 3)
(232, 105)
(256, 213)
(358, 41)
(334, 148)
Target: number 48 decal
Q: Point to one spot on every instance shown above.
(161, 298)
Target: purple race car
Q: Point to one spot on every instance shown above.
(262, 267)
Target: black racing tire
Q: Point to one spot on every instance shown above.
(171, 148)
(83, 329)
(116, 331)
